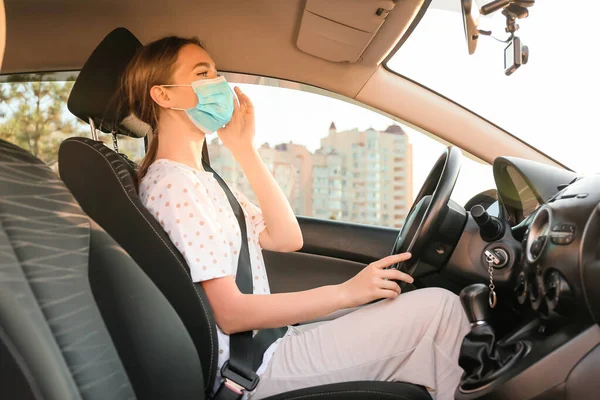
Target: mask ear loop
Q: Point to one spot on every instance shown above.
(176, 108)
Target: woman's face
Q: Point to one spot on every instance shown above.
(193, 64)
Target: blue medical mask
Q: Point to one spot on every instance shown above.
(215, 104)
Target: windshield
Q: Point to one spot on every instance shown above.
(551, 102)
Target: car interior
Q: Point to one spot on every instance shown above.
(96, 302)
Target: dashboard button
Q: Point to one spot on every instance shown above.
(562, 237)
(568, 228)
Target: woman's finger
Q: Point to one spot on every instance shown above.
(246, 100)
(390, 260)
(394, 274)
(386, 294)
(390, 285)
(243, 102)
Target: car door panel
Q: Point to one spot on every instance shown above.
(333, 252)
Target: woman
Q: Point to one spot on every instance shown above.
(172, 85)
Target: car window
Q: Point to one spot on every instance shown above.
(335, 159)
(34, 116)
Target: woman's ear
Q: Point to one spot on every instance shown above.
(161, 96)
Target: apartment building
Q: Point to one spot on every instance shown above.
(290, 164)
(376, 174)
(358, 176)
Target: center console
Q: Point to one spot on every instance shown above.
(484, 357)
(541, 353)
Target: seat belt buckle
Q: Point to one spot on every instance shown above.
(229, 391)
(237, 378)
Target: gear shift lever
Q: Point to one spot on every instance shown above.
(474, 299)
(483, 357)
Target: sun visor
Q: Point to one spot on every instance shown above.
(341, 30)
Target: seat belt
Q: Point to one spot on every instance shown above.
(205, 156)
(245, 351)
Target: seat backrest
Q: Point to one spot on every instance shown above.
(103, 183)
(78, 318)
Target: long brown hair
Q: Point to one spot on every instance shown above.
(153, 64)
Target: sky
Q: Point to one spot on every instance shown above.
(551, 102)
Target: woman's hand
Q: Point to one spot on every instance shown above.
(375, 282)
(238, 134)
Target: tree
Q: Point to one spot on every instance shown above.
(33, 114)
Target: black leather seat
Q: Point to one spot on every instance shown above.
(103, 183)
(78, 318)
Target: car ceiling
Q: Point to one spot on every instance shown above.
(257, 37)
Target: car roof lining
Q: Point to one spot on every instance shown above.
(241, 36)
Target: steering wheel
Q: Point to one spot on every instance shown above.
(428, 210)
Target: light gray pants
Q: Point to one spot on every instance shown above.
(415, 338)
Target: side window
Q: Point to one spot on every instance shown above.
(337, 160)
(34, 116)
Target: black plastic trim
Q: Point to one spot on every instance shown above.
(56, 76)
(346, 240)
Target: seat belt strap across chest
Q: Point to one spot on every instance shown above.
(245, 351)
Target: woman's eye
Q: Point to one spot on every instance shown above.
(205, 73)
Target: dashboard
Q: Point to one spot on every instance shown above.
(529, 202)
(550, 240)
(547, 278)
(552, 216)
(523, 186)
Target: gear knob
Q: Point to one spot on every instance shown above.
(474, 299)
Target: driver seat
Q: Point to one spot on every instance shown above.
(80, 320)
(103, 182)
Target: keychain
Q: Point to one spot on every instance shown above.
(491, 260)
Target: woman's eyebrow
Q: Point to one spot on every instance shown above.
(202, 64)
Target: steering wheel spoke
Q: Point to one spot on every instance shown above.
(429, 209)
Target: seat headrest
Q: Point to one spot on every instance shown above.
(94, 94)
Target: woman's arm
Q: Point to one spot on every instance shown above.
(237, 312)
(283, 232)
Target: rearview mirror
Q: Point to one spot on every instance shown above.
(470, 13)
